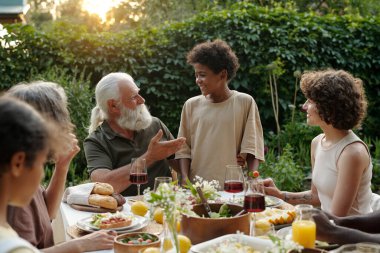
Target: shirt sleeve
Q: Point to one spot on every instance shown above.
(96, 156)
(253, 140)
(184, 131)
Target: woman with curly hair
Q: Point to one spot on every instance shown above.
(341, 163)
(221, 126)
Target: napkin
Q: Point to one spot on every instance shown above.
(78, 194)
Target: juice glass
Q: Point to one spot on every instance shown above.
(304, 228)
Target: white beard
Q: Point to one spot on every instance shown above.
(135, 120)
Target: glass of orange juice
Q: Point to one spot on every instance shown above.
(304, 228)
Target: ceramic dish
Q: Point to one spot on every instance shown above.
(95, 209)
(270, 201)
(138, 222)
(223, 241)
(286, 232)
(122, 247)
(358, 247)
(200, 229)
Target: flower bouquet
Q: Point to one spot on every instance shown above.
(209, 189)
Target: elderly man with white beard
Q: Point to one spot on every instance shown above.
(122, 128)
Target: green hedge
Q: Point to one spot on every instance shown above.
(156, 58)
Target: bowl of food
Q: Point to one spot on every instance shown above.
(135, 242)
(200, 228)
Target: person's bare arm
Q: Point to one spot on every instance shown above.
(118, 178)
(305, 197)
(56, 186)
(329, 232)
(157, 150)
(174, 164)
(252, 162)
(294, 198)
(351, 164)
(369, 223)
(99, 240)
(184, 164)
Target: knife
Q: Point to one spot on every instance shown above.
(204, 202)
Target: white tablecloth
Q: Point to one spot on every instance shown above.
(70, 216)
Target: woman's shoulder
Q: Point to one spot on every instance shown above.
(354, 145)
(317, 138)
(356, 150)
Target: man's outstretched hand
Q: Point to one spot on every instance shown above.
(158, 150)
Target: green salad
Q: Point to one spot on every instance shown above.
(224, 211)
(139, 239)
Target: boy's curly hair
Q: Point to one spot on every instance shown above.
(216, 55)
(339, 97)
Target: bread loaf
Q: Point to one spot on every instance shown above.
(102, 201)
(119, 198)
(102, 189)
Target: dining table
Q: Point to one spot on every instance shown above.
(71, 216)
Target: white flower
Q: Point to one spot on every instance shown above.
(209, 188)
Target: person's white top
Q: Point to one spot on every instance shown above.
(325, 175)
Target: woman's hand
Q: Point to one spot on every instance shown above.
(99, 240)
(271, 188)
(64, 160)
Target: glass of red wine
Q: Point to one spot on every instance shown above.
(254, 200)
(138, 175)
(234, 180)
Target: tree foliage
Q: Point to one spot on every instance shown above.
(142, 13)
(156, 58)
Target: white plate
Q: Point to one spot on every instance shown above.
(256, 243)
(137, 221)
(270, 201)
(285, 232)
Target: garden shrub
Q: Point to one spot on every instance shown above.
(284, 170)
(156, 57)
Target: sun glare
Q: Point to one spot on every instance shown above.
(99, 7)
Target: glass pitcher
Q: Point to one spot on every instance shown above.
(303, 227)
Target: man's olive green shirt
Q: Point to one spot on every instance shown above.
(106, 149)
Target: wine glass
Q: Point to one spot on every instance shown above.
(234, 180)
(161, 180)
(138, 175)
(254, 200)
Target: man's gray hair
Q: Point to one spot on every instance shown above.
(106, 89)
